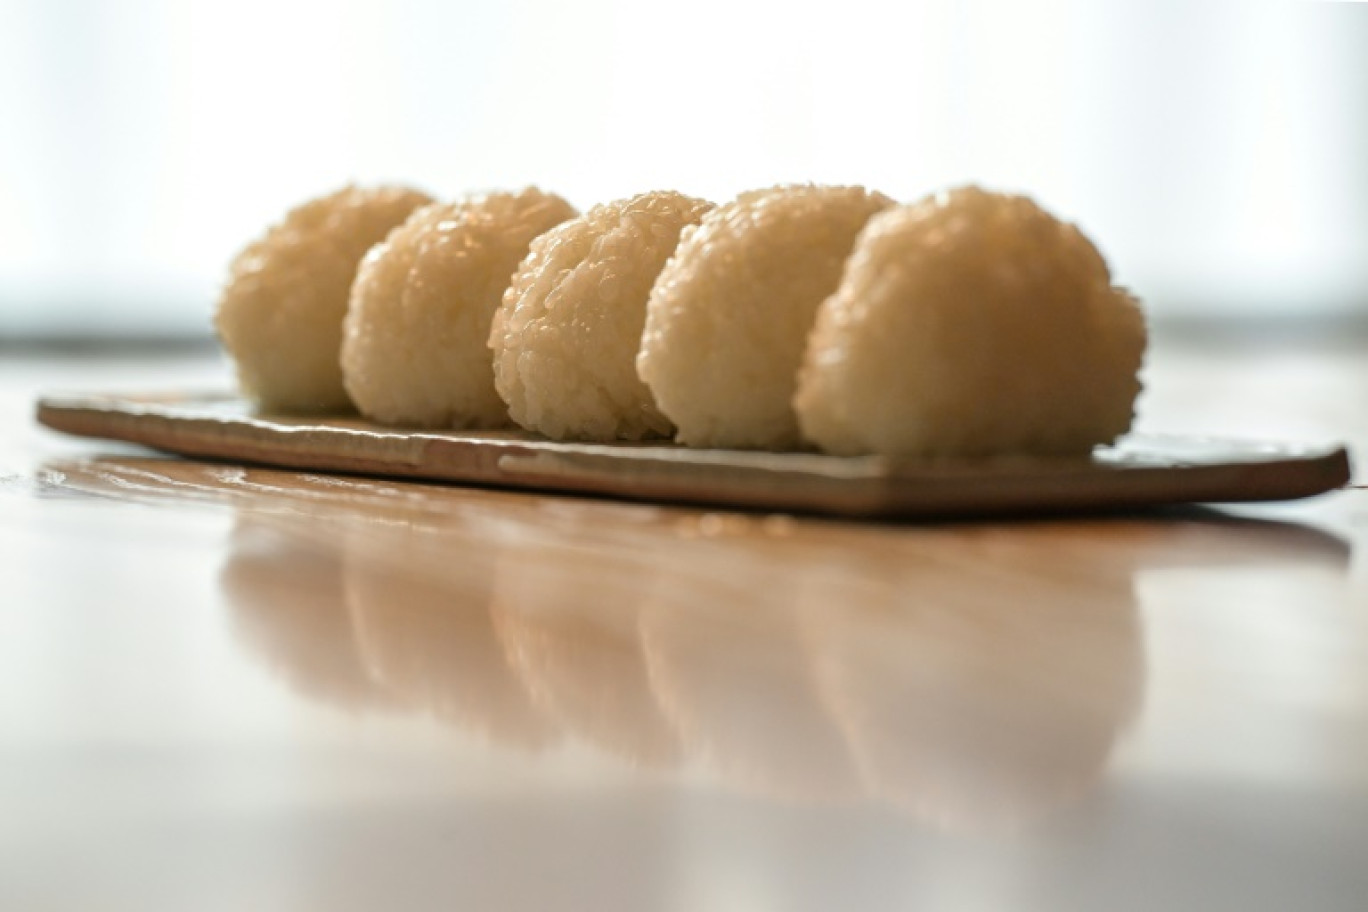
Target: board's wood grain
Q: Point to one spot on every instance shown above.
(1137, 473)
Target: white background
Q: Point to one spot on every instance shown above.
(1218, 152)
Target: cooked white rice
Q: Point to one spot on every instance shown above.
(728, 318)
(280, 313)
(566, 337)
(414, 350)
(971, 324)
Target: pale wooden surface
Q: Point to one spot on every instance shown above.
(1136, 472)
(224, 688)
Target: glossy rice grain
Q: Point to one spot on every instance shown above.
(728, 318)
(566, 337)
(280, 314)
(972, 324)
(414, 351)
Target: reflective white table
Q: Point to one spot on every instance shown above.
(238, 688)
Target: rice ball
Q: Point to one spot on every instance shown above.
(280, 313)
(414, 346)
(971, 324)
(565, 339)
(728, 318)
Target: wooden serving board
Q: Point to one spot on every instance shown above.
(1139, 472)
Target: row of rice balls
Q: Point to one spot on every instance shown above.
(967, 324)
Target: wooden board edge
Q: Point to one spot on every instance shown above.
(448, 460)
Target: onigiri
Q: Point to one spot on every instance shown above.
(729, 315)
(280, 314)
(414, 346)
(566, 337)
(971, 324)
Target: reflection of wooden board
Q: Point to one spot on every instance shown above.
(1140, 472)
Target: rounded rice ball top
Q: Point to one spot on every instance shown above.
(414, 350)
(971, 324)
(280, 313)
(729, 315)
(566, 336)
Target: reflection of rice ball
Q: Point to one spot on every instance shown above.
(284, 596)
(424, 631)
(969, 324)
(730, 313)
(961, 700)
(414, 349)
(576, 648)
(280, 315)
(565, 339)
